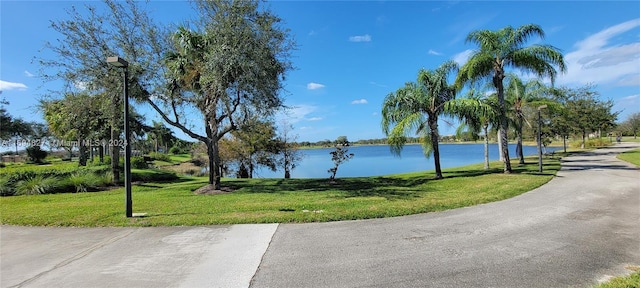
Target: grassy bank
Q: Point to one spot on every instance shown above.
(631, 281)
(632, 156)
(279, 200)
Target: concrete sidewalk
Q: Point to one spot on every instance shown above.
(220, 256)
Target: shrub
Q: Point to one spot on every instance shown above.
(36, 185)
(175, 150)
(592, 143)
(198, 161)
(6, 186)
(107, 178)
(84, 182)
(138, 162)
(160, 156)
(35, 154)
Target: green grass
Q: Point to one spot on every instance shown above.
(632, 157)
(179, 158)
(280, 200)
(630, 139)
(631, 281)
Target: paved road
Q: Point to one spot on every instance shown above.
(577, 229)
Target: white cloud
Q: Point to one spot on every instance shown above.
(374, 114)
(314, 119)
(360, 38)
(596, 60)
(631, 80)
(631, 97)
(434, 52)
(360, 101)
(462, 57)
(314, 86)
(28, 74)
(295, 114)
(312, 33)
(378, 84)
(5, 86)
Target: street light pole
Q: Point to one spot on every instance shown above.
(540, 137)
(119, 62)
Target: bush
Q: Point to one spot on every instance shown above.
(200, 162)
(592, 143)
(36, 185)
(107, 178)
(6, 186)
(175, 150)
(138, 162)
(84, 182)
(35, 154)
(160, 156)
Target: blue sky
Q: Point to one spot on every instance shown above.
(352, 54)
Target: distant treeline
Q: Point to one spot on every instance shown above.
(380, 141)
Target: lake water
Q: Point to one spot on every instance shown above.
(378, 160)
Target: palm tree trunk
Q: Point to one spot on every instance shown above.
(433, 125)
(486, 147)
(500, 155)
(503, 122)
(519, 151)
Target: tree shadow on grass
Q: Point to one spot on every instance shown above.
(390, 187)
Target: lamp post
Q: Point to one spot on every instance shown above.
(540, 137)
(121, 63)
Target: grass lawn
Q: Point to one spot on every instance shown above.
(632, 157)
(631, 281)
(280, 200)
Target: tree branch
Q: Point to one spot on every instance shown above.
(176, 123)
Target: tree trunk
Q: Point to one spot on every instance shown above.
(499, 145)
(503, 123)
(213, 155)
(115, 157)
(211, 171)
(486, 147)
(82, 158)
(519, 151)
(564, 143)
(433, 126)
(584, 135)
(216, 163)
(101, 153)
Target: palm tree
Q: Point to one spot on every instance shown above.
(416, 107)
(506, 48)
(519, 95)
(477, 113)
(161, 135)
